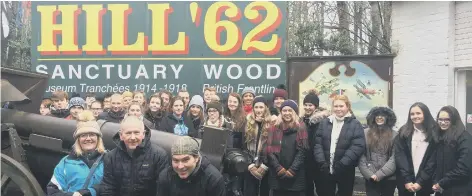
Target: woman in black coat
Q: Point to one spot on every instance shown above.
(415, 152)
(453, 156)
(287, 143)
(255, 135)
(339, 144)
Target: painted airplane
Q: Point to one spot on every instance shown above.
(363, 90)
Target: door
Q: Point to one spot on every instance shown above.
(468, 101)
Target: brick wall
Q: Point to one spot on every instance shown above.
(463, 35)
(420, 37)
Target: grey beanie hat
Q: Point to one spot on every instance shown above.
(249, 89)
(185, 145)
(77, 101)
(196, 100)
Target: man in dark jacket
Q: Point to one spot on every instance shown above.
(133, 167)
(116, 112)
(191, 174)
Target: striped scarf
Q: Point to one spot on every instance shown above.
(276, 133)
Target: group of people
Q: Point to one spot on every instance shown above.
(292, 152)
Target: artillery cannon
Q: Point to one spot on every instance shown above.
(33, 144)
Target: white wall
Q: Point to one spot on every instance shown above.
(420, 73)
(462, 51)
(463, 35)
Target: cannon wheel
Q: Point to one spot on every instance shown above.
(14, 171)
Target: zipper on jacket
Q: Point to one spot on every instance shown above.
(133, 168)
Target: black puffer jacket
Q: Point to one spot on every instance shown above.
(155, 118)
(125, 175)
(349, 149)
(111, 116)
(60, 113)
(205, 181)
(454, 166)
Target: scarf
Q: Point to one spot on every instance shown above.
(247, 109)
(218, 123)
(276, 133)
(180, 128)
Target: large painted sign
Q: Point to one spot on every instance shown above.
(366, 80)
(116, 46)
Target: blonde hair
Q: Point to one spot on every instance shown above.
(139, 92)
(100, 147)
(345, 99)
(251, 125)
(295, 120)
(86, 116)
(127, 94)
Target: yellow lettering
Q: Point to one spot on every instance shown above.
(93, 34)
(50, 29)
(270, 23)
(119, 27)
(213, 28)
(160, 32)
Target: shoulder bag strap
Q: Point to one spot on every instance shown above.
(92, 170)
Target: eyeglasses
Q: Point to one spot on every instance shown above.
(85, 135)
(212, 110)
(444, 120)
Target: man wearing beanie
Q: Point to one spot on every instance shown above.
(248, 97)
(312, 117)
(133, 167)
(190, 173)
(83, 162)
(76, 106)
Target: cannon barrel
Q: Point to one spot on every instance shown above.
(62, 129)
(27, 123)
(47, 139)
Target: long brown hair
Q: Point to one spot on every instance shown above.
(200, 114)
(379, 137)
(239, 115)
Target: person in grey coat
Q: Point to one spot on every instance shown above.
(377, 164)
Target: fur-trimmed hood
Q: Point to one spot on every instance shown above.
(391, 118)
(318, 115)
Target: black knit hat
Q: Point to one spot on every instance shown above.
(259, 99)
(312, 98)
(215, 105)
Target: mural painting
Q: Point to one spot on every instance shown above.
(365, 85)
